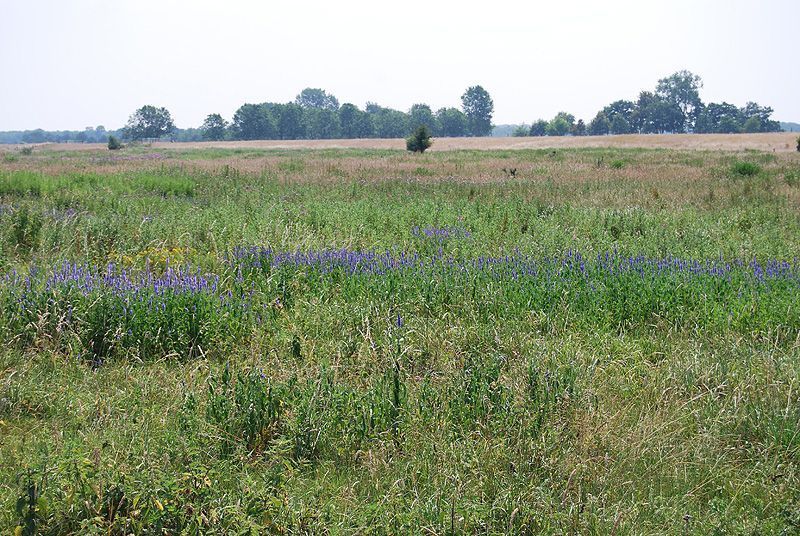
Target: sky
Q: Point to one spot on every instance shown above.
(69, 64)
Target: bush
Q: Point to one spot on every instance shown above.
(745, 169)
(419, 140)
(113, 143)
(798, 144)
(28, 150)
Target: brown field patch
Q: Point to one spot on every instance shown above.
(771, 142)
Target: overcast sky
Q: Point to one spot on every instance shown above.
(68, 64)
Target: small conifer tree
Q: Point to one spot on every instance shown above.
(114, 143)
(419, 140)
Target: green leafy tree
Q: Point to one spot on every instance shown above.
(420, 140)
(560, 125)
(478, 107)
(149, 122)
(113, 143)
(254, 122)
(655, 114)
(764, 115)
(388, 123)
(752, 124)
(321, 123)
(625, 111)
(214, 127)
(579, 129)
(312, 97)
(355, 123)
(421, 114)
(290, 122)
(683, 90)
(521, 131)
(539, 128)
(452, 122)
(620, 125)
(600, 125)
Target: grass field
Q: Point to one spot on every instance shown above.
(768, 142)
(238, 339)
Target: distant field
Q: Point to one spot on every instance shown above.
(778, 142)
(242, 338)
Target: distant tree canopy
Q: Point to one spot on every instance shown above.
(478, 107)
(149, 122)
(316, 114)
(675, 106)
(214, 127)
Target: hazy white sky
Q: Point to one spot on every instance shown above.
(68, 64)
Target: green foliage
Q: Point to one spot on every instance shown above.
(539, 128)
(114, 144)
(420, 140)
(244, 410)
(214, 127)
(26, 151)
(478, 107)
(298, 400)
(745, 169)
(149, 122)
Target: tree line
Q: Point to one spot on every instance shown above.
(674, 106)
(316, 114)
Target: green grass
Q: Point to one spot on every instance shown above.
(449, 403)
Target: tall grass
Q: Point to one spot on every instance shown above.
(311, 342)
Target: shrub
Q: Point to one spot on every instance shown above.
(798, 144)
(617, 164)
(26, 150)
(419, 140)
(745, 169)
(113, 143)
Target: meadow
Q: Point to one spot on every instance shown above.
(247, 340)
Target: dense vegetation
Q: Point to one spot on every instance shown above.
(674, 106)
(383, 342)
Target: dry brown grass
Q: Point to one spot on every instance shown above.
(772, 142)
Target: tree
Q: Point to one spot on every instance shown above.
(579, 129)
(620, 125)
(521, 131)
(560, 125)
(254, 122)
(419, 140)
(312, 97)
(478, 107)
(388, 123)
(149, 122)
(621, 116)
(682, 89)
(214, 127)
(355, 123)
(113, 143)
(321, 123)
(600, 125)
(539, 128)
(655, 114)
(752, 124)
(289, 121)
(421, 114)
(763, 114)
(452, 122)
